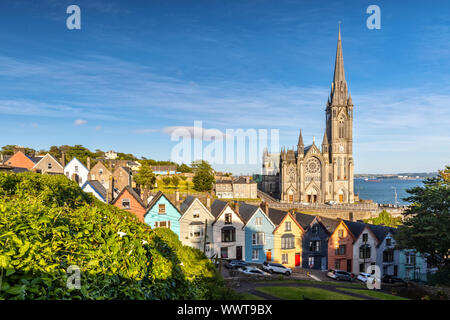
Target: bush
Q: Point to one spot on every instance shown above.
(47, 223)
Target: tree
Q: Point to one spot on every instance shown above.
(427, 228)
(166, 180)
(184, 168)
(384, 218)
(145, 178)
(203, 175)
(175, 181)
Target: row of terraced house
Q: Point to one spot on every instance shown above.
(242, 231)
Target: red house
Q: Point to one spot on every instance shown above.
(129, 200)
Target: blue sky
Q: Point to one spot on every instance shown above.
(137, 68)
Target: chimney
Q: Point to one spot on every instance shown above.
(265, 207)
(177, 196)
(1, 157)
(19, 148)
(247, 179)
(208, 202)
(88, 163)
(236, 206)
(112, 188)
(63, 159)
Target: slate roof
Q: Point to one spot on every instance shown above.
(95, 184)
(304, 219)
(380, 231)
(187, 203)
(217, 207)
(329, 224)
(246, 211)
(355, 227)
(243, 180)
(276, 216)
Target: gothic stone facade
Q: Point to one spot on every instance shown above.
(313, 174)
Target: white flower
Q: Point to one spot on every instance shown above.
(121, 234)
(144, 242)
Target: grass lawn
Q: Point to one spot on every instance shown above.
(374, 294)
(249, 296)
(299, 293)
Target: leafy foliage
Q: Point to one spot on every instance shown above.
(47, 223)
(384, 218)
(204, 176)
(427, 228)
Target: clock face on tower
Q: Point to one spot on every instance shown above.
(313, 165)
(341, 148)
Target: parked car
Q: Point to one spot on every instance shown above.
(391, 279)
(340, 275)
(233, 264)
(331, 202)
(253, 271)
(363, 277)
(276, 268)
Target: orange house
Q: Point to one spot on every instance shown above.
(20, 160)
(340, 245)
(129, 200)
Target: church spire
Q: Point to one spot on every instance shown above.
(339, 91)
(300, 139)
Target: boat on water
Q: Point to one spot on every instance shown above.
(372, 180)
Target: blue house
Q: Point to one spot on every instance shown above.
(162, 213)
(258, 229)
(412, 266)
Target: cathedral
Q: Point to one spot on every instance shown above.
(318, 173)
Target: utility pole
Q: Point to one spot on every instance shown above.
(204, 236)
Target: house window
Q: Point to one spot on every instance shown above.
(76, 168)
(258, 238)
(207, 247)
(228, 219)
(49, 166)
(196, 214)
(411, 259)
(258, 221)
(288, 242)
(284, 258)
(361, 267)
(337, 264)
(314, 246)
(365, 237)
(388, 242)
(340, 233)
(162, 224)
(287, 226)
(196, 231)
(228, 235)
(162, 208)
(126, 203)
(364, 252)
(224, 253)
(311, 262)
(340, 250)
(315, 229)
(255, 254)
(388, 256)
(100, 171)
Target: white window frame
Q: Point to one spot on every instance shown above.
(284, 258)
(255, 254)
(258, 238)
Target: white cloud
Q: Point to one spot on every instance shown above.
(79, 122)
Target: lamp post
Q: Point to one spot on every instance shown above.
(395, 193)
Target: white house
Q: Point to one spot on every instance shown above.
(96, 188)
(228, 233)
(365, 250)
(196, 223)
(76, 171)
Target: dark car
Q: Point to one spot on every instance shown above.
(233, 264)
(340, 275)
(391, 279)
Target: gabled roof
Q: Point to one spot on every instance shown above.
(355, 227)
(47, 155)
(132, 193)
(276, 215)
(284, 218)
(247, 211)
(303, 219)
(98, 188)
(217, 207)
(329, 224)
(155, 200)
(380, 232)
(187, 203)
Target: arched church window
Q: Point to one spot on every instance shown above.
(341, 129)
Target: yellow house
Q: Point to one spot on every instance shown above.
(287, 238)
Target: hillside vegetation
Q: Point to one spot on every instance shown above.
(47, 223)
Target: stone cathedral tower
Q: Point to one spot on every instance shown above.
(309, 174)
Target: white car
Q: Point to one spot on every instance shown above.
(253, 271)
(363, 277)
(331, 202)
(276, 268)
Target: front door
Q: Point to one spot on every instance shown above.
(341, 198)
(349, 265)
(291, 198)
(239, 253)
(269, 255)
(297, 259)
